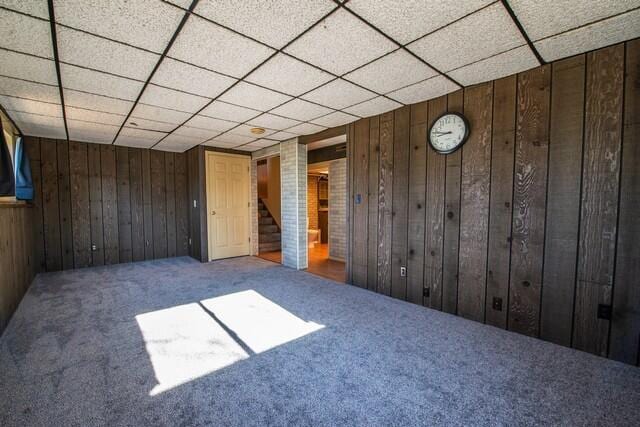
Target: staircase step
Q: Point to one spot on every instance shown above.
(268, 247)
(265, 220)
(263, 212)
(269, 237)
(260, 205)
(267, 228)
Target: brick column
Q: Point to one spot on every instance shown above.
(338, 209)
(293, 184)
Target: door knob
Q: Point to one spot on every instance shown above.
(213, 212)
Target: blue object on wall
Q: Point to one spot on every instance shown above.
(7, 182)
(24, 183)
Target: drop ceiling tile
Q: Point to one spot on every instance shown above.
(181, 140)
(496, 67)
(75, 47)
(337, 118)
(252, 96)
(225, 111)
(151, 112)
(91, 132)
(37, 125)
(340, 43)
(169, 98)
(209, 45)
(26, 67)
(174, 146)
(245, 130)
(145, 124)
(272, 121)
(405, 21)
(306, 129)
(260, 143)
(29, 106)
(195, 133)
(148, 24)
(25, 34)
(189, 78)
(229, 138)
(372, 107)
(461, 43)
(542, 19)
(300, 109)
(391, 72)
(422, 91)
(286, 74)
(594, 36)
(138, 137)
(209, 123)
(99, 83)
(29, 90)
(274, 23)
(35, 8)
(219, 144)
(90, 101)
(339, 94)
(79, 114)
(282, 136)
(249, 147)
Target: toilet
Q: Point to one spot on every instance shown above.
(313, 237)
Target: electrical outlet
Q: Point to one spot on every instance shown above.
(403, 271)
(195, 203)
(94, 248)
(497, 303)
(189, 241)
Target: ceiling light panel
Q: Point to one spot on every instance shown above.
(189, 78)
(169, 98)
(79, 114)
(273, 122)
(302, 110)
(99, 83)
(90, 101)
(542, 19)
(225, 111)
(245, 130)
(406, 21)
(25, 34)
(337, 118)
(27, 67)
(594, 36)
(29, 106)
(91, 132)
(372, 107)
(478, 36)
(29, 90)
(286, 74)
(232, 139)
(391, 72)
(35, 8)
(209, 123)
(148, 24)
(210, 46)
(274, 23)
(252, 96)
(339, 94)
(340, 43)
(138, 137)
(428, 89)
(306, 129)
(37, 125)
(75, 47)
(496, 67)
(160, 114)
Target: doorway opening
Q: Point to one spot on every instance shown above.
(269, 216)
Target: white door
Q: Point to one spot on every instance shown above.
(228, 205)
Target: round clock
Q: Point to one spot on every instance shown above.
(448, 133)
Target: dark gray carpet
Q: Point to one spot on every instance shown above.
(248, 342)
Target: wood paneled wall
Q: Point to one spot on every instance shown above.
(532, 226)
(103, 204)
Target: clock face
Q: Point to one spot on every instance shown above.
(448, 133)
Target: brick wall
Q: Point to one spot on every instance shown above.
(338, 209)
(312, 201)
(293, 176)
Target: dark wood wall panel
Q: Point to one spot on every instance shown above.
(90, 194)
(360, 203)
(532, 226)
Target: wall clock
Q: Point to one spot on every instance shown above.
(448, 133)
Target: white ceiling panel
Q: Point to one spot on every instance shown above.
(407, 20)
(306, 129)
(209, 123)
(422, 91)
(169, 98)
(232, 139)
(252, 96)
(496, 67)
(340, 43)
(234, 113)
(245, 130)
(478, 36)
(96, 102)
(272, 121)
(272, 22)
(151, 112)
(37, 8)
(594, 36)
(282, 136)
(249, 147)
(219, 144)
(99, 83)
(300, 109)
(29, 90)
(178, 140)
(138, 137)
(27, 67)
(146, 124)
(286, 74)
(148, 24)
(91, 132)
(372, 107)
(37, 125)
(75, 47)
(79, 114)
(262, 143)
(189, 78)
(29, 106)
(339, 94)
(25, 34)
(196, 133)
(544, 18)
(174, 146)
(337, 118)
(209, 45)
(391, 72)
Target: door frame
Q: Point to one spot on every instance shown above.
(208, 197)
